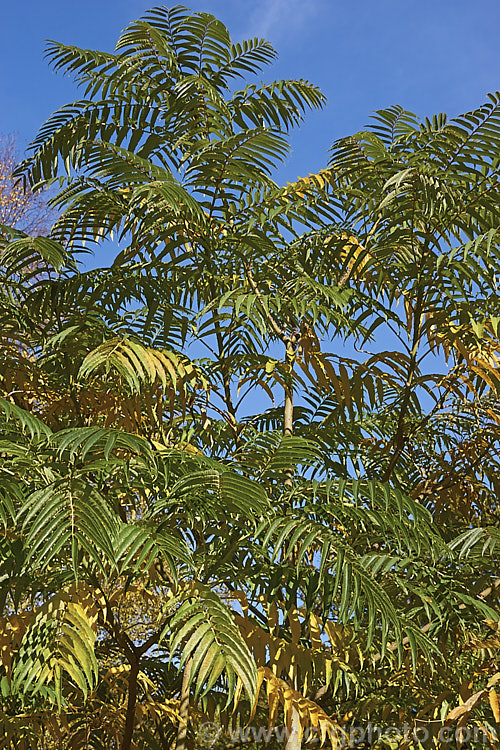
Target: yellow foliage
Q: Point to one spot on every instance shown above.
(310, 715)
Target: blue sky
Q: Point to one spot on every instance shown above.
(429, 56)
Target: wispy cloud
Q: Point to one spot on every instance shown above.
(272, 19)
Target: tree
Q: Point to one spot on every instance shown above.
(19, 208)
(167, 549)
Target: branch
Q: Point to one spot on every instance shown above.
(278, 331)
(131, 703)
(425, 628)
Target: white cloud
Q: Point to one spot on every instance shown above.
(271, 19)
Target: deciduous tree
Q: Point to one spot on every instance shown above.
(20, 207)
(170, 544)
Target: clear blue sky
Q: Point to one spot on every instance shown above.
(429, 56)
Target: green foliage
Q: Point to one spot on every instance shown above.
(212, 644)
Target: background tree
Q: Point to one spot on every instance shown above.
(20, 208)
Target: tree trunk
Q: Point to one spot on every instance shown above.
(131, 701)
(288, 411)
(294, 741)
(288, 406)
(181, 743)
